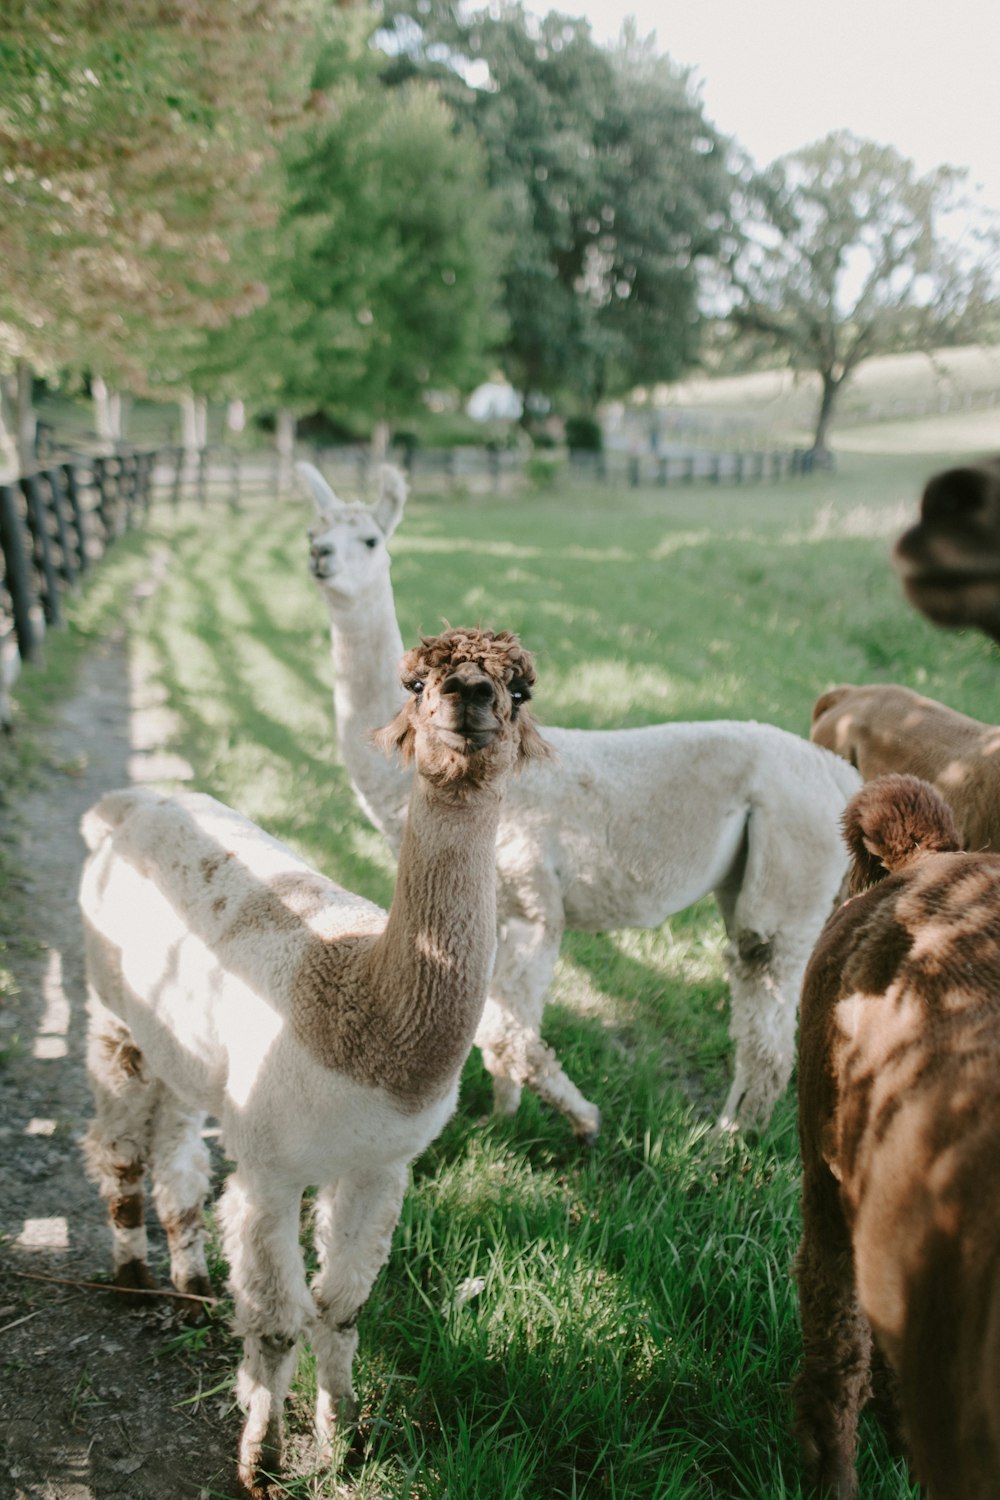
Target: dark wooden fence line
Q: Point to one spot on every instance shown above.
(54, 525)
(242, 476)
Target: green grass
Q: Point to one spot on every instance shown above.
(635, 1332)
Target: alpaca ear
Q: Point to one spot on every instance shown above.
(396, 735)
(866, 867)
(388, 508)
(828, 700)
(313, 482)
(531, 746)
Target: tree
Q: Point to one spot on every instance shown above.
(845, 256)
(614, 188)
(134, 143)
(383, 267)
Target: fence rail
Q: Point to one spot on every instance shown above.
(56, 522)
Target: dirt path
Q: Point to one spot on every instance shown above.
(90, 1391)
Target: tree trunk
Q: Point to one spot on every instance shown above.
(109, 412)
(189, 422)
(380, 441)
(25, 423)
(828, 401)
(8, 427)
(285, 443)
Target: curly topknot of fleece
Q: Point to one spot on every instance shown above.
(499, 653)
(891, 821)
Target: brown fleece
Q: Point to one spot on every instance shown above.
(949, 562)
(899, 1119)
(881, 727)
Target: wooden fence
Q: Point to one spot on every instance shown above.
(54, 525)
(58, 521)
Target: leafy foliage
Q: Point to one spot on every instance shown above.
(613, 185)
(382, 268)
(135, 144)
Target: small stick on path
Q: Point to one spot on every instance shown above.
(110, 1286)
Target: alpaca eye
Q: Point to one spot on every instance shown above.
(371, 541)
(415, 687)
(520, 692)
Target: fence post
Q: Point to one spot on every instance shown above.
(42, 549)
(202, 476)
(76, 513)
(53, 478)
(175, 497)
(661, 471)
(105, 482)
(16, 573)
(633, 471)
(127, 487)
(234, 479)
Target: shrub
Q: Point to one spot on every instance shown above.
(584, 433)
(540, 472)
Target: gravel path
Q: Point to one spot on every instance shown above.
(90, 1391)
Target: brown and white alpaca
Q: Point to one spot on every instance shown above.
(949, 562)
(882, 728)
(899, 1124)
(227, 977)
(620, 829)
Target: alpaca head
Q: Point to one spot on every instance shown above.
(465, 721)
(949, 562)
(348, 555)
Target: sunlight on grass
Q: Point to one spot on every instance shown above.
(609, 691)
(634, 1328)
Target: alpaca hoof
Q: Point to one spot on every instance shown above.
(189, 1310)
(134, 1276)
(587, 1130)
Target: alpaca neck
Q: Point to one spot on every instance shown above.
(433, 962)
(366, 649)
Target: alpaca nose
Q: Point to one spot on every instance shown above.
(319, 553)
(469, 684)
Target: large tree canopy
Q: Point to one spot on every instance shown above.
(845, 255)
(383, 267)
(134, 146)
(613, 187)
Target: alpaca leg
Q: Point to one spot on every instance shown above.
(764, 989)
(510, 1030)
(355, 1219)
(834, 1381)
(116, 1146)
(179, 1165)
(273, 1306)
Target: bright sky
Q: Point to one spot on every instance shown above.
(920, 75)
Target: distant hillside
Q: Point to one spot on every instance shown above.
(781, 406)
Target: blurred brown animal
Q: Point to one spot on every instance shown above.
(882, 728)
(949, 562)
(899, 1124)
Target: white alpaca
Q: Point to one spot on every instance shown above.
(229, 978)
(620, 829)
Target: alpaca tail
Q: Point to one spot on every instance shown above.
(112, 810)
(891, 822)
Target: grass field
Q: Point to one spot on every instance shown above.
(636, 1330)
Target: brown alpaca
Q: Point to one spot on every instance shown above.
(882, 728)
(949, 561)
(899, 1124)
